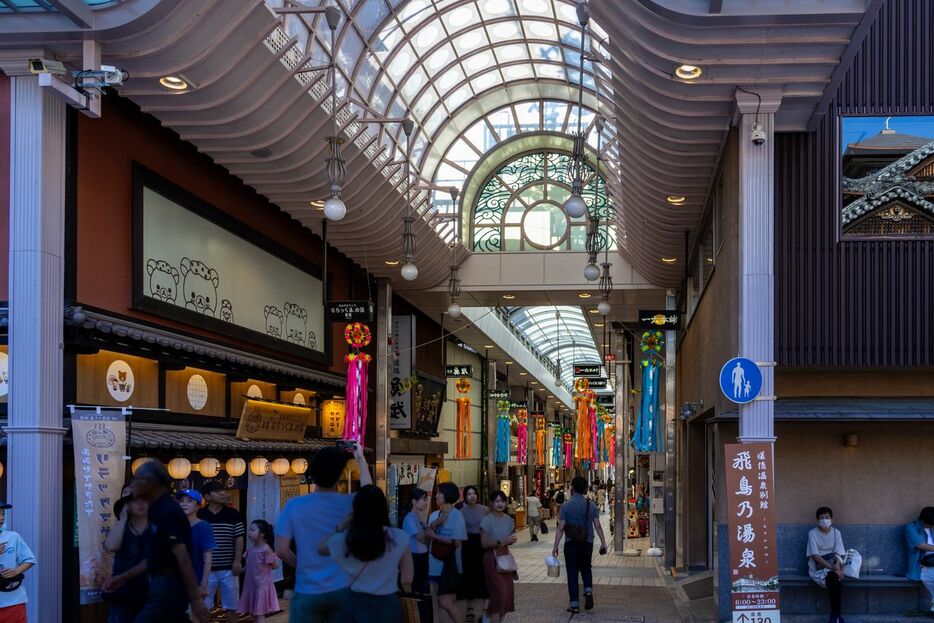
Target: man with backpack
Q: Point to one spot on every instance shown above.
(579, 520)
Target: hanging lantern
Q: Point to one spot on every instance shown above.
(299, 466)
(280, 466)
(235, 467)
(259, 466)
(137, 463)
(539, 440)
(522, 433)
(462, 443)
(503, 432)
(358, 336)
(209, 467)
(179, 468)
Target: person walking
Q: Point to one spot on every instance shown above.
(226, 564)
(579, 520)
(374, 555)
(447, 531)
(259, 591)
(919, 538)
(171, 574)
(321, 594)
(15, 560)
(125, 590)
(601, 498)
(497, 533)
(202, 538)
(532, 505)
(472, 585)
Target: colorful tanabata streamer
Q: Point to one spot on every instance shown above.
(522, 434)
(503, 432)
(585, 428)
(647, 437)
(539, 440)
(568, 450)
(462, 431)
(601, 437)
(555, 445)
(358, 336)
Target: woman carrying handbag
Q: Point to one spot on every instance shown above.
(497, 533)
(447, 530)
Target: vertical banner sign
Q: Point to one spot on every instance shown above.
(400, 373)
(393, 498)
(262, 502)
(540, 482)
(100, 445)
(753, 550)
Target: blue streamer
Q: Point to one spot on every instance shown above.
(648, 425)
(502, 439)
(556, 449)
(601, 443)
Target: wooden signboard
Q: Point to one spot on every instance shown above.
(272, 421)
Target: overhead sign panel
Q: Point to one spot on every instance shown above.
(598, 383)
(664, 319)
(350, 311)
(587, 370)
(458, 371)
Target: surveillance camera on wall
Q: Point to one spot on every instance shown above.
(45, 66)
(757, 136)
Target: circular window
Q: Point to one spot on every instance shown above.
(545, 224)
(120, 382)
(197, 392)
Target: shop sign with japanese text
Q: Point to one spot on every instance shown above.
(587, 370)
(400, 372)
(598, 383)
(519, 404)
(607, 400)
(350, 311)
(753, 550)
(459, 371)
(666, 319)
(272, 421)
(332, 418)
(498, 394)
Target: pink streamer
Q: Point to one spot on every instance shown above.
(355, 419)
(523, 434)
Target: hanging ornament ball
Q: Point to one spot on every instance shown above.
(259, 466)
(179, 468)
(462, 385)
(299, 466)
(575, 207)
(604, 308)
(591, 272)
(209, 467)
(235, 467)
(409, 271)
(137, 463)
(334, 209)
(280, 466)
(454, 310)
(357, 335)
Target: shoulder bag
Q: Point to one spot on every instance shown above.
(505, 563)
(440, 550)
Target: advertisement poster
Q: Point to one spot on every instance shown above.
(753, 550)
(400, 372)
(262, 502)
(100, 445)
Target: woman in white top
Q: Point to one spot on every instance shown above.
(825, 560)
(447, 531)
(373, 555)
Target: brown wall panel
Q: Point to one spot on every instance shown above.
(92, 380)
(238, 391)
(881, 384)
(177, 390)
(854, 303)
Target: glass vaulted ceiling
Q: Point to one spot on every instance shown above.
(559, 333)
(444, 63)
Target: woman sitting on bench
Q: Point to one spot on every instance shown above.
(825, 560)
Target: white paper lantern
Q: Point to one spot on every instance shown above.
(235, 467)
(179, 468)
(137, 463)
(209, 467)
(299, 466)
(280, 466)
(259, 466)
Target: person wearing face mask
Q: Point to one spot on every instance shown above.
(15, 559)
(825, 560)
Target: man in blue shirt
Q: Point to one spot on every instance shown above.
(579, 518)
(15, 559)
(321, 587)
(919, 537)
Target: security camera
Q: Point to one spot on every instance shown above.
(757, 136)
(45, 66)
(686, 411)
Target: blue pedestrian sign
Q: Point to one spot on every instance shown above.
(740, 380)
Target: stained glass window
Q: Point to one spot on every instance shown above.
(520, 207)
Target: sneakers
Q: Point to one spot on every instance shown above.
(534, 539)
(574, 608)
(588, 601)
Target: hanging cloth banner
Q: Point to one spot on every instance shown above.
(601, 441)
(263, 502)
(100, 449)
(594, 434)
(462, 431)
(584, 425)
(358, 336)
(555, 445)
(522, 433)
(539, 440)
(503, 432)
(568, 447)
(647, 435)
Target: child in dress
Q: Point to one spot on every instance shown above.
(259, 593)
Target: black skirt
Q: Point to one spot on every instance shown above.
(473, 580)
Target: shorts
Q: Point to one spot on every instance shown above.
(224, 582)
(13, 614)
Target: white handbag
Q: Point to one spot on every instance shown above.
(852, 564)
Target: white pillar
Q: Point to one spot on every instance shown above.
(34, 431)
(383, 331)
(756, 253)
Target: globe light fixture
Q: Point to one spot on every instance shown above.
(575, 206)
(409, 271)
(235, 467)
(604, 308)
(334, 209)
(299, 466)
(280, 466)
(454, 310)
(259, 466)
(591, 272)
(179, 468)
(454, 289)
(209, 467)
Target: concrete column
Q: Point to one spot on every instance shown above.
(383, 330)
(621, 465)
(672, 549)
(34, 431)
(756, 254)
(492, 481)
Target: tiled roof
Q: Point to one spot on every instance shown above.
(197, 440)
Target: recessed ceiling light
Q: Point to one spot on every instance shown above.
(709, 260)
(598, 324)
(317, 204)
(584, 295)
(534, 382)
(669, 260)
(676, 199)
(688, 72)
(523, 373)
(509, 297)
(509, 363)
(594, 311)
(391, 262)
(173, 83)
(488, 346)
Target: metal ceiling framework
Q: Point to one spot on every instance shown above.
(258, 98)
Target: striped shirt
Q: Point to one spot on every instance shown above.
(227, 527)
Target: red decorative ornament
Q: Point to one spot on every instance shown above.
(358, 335)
